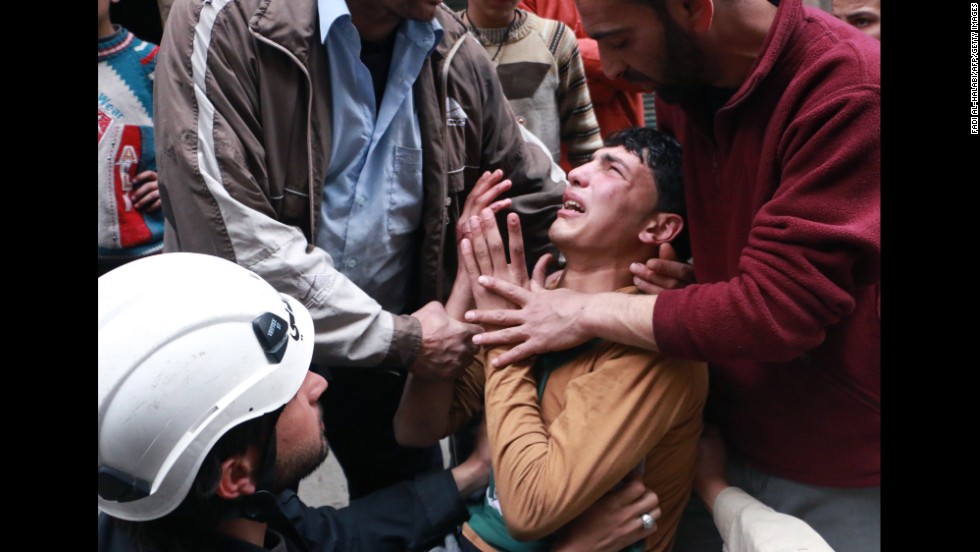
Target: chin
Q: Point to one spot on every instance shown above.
(424, 12)
(558, 237)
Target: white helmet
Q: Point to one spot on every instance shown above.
(190, 346)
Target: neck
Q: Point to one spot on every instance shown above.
(373, 21)
(589, 274)
(486, 20)
(105, 28)
(742, 28)
(244, 530)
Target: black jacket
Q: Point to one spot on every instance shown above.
(407, 516)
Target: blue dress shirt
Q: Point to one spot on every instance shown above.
(372, 200)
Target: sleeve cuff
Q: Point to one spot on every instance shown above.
(440, 499)
(406, 340)
(728, 504)
(668, 326)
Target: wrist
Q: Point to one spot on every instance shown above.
(470, 476)
(709, 491)
(589, 318)
(406, 342)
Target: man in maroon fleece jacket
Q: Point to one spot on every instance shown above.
(777, 109)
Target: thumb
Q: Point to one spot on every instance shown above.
(667, 252)
(540, 271)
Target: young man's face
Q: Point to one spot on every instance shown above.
(606, 204)
(637, 44)
(865, 15)
(301, 442)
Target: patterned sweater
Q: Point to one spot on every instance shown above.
(541, 72)
(126, 66)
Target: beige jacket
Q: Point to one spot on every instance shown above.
(242, 104)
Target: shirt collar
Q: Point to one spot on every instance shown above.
(329, 12)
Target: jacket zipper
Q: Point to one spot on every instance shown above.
(309, 124)
(444, 99)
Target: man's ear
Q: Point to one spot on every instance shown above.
(238, 475)
(661, 228)
(692, 15)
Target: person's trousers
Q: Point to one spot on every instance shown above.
(848, 519)
(358, 411)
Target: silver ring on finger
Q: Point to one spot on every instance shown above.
(647, 521)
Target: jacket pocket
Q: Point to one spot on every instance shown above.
(405, 191)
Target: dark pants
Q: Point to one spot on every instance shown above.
(358, 410)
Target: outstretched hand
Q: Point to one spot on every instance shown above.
(548, 320)
(483, 196)
(482, 253)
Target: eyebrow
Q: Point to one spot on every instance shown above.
(611, 159)
(858, 12)
(604, 34)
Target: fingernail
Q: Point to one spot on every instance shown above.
(477, 339)
(635, 267)
(495, 362)
(483, 280)
(469, 316)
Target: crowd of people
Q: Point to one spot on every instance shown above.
(365, 226)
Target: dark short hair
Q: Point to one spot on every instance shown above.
(662, 154)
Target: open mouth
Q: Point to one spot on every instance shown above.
(573, 206)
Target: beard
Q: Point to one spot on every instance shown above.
(684, 68)
(301, 462)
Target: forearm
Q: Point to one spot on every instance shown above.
(431, 409)
(471, 475)
(621, 318)
(519, 445)
(423, 412)
(460, 298)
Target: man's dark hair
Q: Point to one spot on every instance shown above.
(662, 154)
(191, 525)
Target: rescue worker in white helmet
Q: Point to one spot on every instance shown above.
(208, 414)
